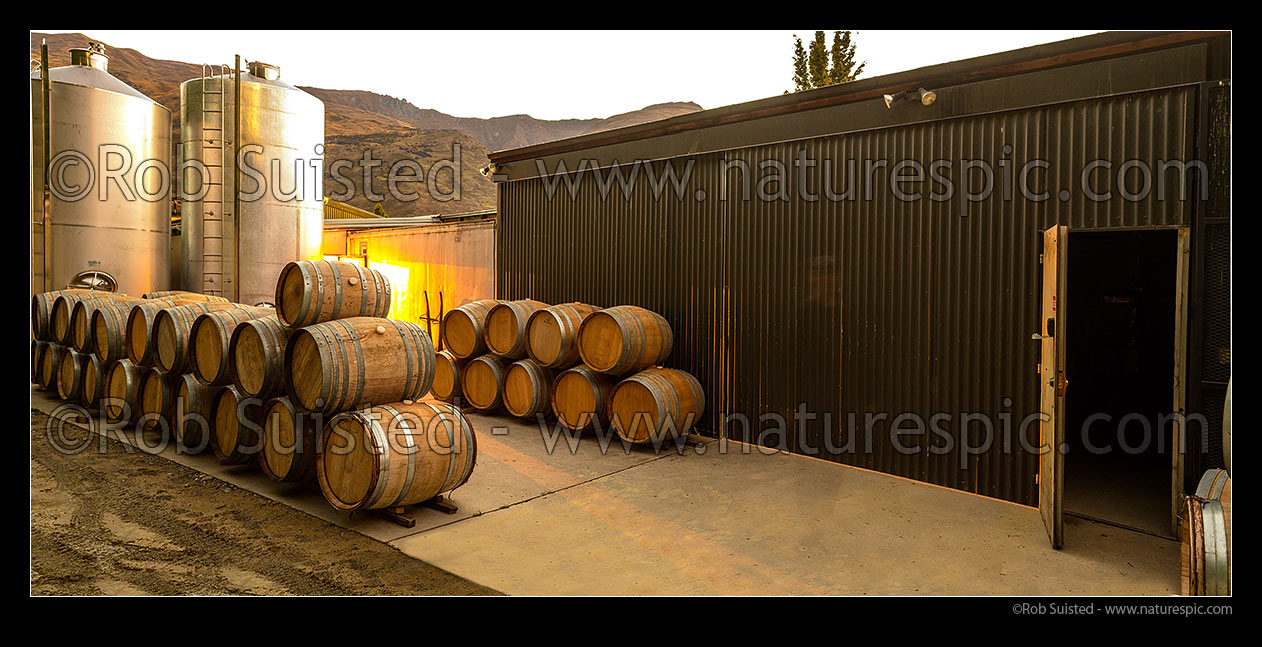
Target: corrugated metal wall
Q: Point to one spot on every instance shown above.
(868, 305)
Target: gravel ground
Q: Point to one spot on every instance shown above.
(129, 523)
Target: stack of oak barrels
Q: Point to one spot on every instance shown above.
(1205, 537)
(587, 366)
(323, 387)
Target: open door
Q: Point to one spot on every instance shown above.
(1053, 383)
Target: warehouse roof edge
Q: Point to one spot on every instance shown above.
(1096, 47)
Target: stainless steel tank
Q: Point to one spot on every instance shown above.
(281, 210)
(108, 227)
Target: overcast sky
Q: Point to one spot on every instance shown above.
(555, 75)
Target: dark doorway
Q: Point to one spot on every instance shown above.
(1121, 318)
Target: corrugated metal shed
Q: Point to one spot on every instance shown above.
(871, 304)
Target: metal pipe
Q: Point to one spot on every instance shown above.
(46, 82)
(236, 176)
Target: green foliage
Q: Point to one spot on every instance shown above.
(822, 66)
(379, 210)
(801, 78)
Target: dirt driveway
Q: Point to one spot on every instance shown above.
(131, 523)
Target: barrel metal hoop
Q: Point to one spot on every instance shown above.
(382, 452)
(411, 470)
(642, 337)
(1216, 566)
(301, 319)
(363, 288)
(337, 292)
(407, 353)
(383, 292)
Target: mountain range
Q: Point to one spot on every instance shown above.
(358, 120)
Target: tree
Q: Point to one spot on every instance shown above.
(818, 61)
(379, 210)
(824, 66)
(801, 78)
(844, 69)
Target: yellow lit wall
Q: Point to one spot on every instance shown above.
(455, 261)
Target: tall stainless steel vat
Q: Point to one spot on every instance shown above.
(108, 233)
(281, 200)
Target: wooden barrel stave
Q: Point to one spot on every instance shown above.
(395, 455)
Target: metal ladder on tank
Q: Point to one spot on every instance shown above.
(215, 157)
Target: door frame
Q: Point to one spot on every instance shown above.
(1179, 395)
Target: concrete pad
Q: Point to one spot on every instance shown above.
(784, 525)
(496, 482)
(550, 518)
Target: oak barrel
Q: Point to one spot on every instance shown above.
(580, 397)
(157, 400)
(64, 304)
(552, 334)
(341, 364)
(1205, 537)
(235, 420)
(290, 442)
(395, 455)
(109, 330)
(505, 328)
(463, 328)
(312, 292)
(41, 312)
(50, 361)
(656, 403)
(256, 353)
(123, 380)
(482, 382)
(139, 332)
(183, 295)
(193, 429)
(93, 391)
(447, 371)
(70, 375)
(38, 348)
(209, 339)
(624, 339)
(173, 329)
(527, 389)
(81, 337)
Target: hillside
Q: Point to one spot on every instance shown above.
(393, 129)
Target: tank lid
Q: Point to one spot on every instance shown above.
(263, 70)
(91, 56)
